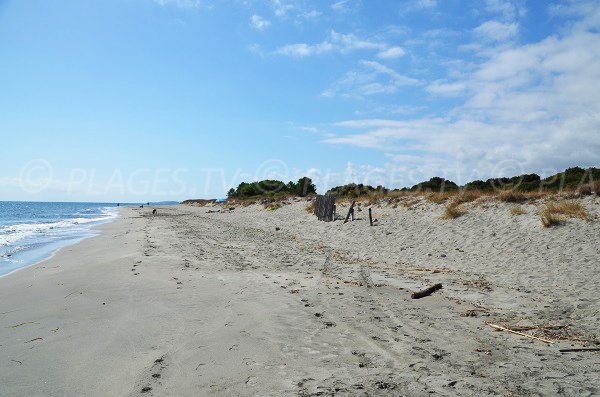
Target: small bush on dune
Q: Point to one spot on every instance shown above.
(273, 207)
(311, 207)
(438, 198)
(517, 211)
(409, 202)
(453, 211)
(467, 197)
(554, 213)
(590, 188)
(568, 208)
(549, 218)
(512, 196)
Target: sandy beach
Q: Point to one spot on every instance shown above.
(276, 303)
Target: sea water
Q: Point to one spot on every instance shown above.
(32, 231)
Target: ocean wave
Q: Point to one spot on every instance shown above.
(12, 234)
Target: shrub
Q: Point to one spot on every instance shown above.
(511, 196)
(549, 218)
(269, 187)
(453, 211)
(438, 198)
(517, 211)
(311, 207)
(435, 184)
(590, 188)
(467, 197)
(568, 208)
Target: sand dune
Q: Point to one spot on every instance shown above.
(195, 303)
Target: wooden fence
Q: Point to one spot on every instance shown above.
(325, 208)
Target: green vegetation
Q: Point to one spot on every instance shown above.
(515, 189)
(352, 190)
(571, 178)
(524, 183)
(435, 184)
(272, 188)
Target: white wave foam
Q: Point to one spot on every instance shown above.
(11, 234)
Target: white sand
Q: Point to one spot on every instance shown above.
(230, 306)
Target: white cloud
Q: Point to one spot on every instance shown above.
(337, 42)
(312, 14)
(441, 87)
(528, 108)
(344, 6)
(258, 22)
(281, 7)
(182, 3)
(496, 31)
(372, 78)
(426, 3)
(391, 53)
(508, 10)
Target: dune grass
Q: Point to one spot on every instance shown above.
(454, 210)
(568, 208)
(555, 213)
(516, 211)
(550, 218)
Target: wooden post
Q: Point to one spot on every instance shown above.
(333, 217)
(350, 212)
(370, 217)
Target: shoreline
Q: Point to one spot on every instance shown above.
(66, 243)
(250, 301)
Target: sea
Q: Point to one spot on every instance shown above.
(32, 231)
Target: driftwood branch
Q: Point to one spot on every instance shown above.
(426, 292)
(519, 333)
(585, 349)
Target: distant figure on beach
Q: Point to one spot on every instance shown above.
(154, 211)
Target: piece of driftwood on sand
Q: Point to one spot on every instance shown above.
(501, 328)
(426, 291)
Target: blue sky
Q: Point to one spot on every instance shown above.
(172, 99)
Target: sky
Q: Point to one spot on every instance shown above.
(148, 100)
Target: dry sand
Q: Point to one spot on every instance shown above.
(195, 303)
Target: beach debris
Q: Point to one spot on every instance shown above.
(426, 292)
(17, 361)
(33, 340)
(277, 229)
(501, 328)
(146, 389)
(583, 349)
(18, 325)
